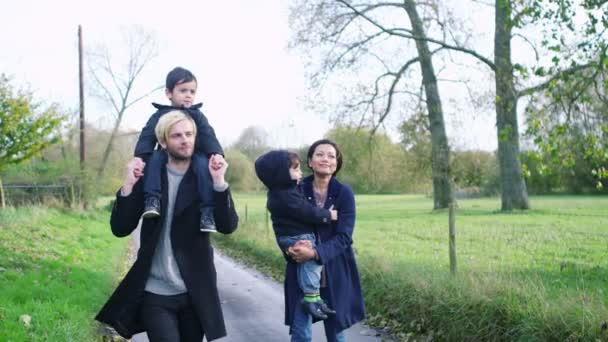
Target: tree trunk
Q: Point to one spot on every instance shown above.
(440, 152)
(513, 187)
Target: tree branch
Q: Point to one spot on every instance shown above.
(554, 78)
(400, 33)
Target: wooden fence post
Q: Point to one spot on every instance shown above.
(266, 225)
(452, 239)
(2, 200)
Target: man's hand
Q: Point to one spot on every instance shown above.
(135, 170)
(217, 169)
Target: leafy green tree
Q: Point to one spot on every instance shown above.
(568, 118)
(372, 163)
(416, 141)
(241, 173)
(25, 128)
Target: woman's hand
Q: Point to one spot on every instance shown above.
(301, 251)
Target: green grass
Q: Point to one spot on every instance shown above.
(58, 267)
(537, 275)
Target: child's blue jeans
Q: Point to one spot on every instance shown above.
(200, 166)
(309, 273)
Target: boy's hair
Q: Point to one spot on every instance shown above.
(294, 159)
(177, 76)
(313, 147)
(167, 121)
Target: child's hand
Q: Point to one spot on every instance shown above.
(216, 161)
(217, 169)
(334, 213)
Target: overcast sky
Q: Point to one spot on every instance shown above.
(237, 50)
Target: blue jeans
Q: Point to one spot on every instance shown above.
(200, 166)
(301, 328)
(309, 273)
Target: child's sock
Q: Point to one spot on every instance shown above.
(312, 297)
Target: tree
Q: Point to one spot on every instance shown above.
(569, 127)
(373, 163)
(349, 34)
(241, 173)
(511, 20)
(416, 142)
(25, 128)
(510, 16)
(252, 142)
(115, 83)
(568, 120)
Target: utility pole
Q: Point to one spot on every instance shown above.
(82, 180)
(81, 88)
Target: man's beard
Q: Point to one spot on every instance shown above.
(177, 156)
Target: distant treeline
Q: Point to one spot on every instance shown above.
(373, 165)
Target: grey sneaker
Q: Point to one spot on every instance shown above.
(151, 208)
(207, 224)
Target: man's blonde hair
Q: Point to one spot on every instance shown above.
(167, 121)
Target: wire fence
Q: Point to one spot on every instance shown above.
(34, 194)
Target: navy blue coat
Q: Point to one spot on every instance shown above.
(206, 141)
(343, 290)
(290, 212)
(192, 249)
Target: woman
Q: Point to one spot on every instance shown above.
(340, 286)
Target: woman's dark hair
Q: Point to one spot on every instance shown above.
(313, 147)
(294, 159)
(177, 76)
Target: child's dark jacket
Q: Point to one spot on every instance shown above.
(290, 212)
(206, 141)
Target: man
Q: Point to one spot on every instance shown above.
(170, 291)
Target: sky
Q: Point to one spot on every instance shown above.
(237, 49)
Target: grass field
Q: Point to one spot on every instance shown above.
(534, 275)
(57, 268)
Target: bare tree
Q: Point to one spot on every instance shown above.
(359, 33)
(252, 142)
(115, 78)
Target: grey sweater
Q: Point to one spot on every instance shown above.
(165, 278)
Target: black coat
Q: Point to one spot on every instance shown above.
(206, 141)
(192, 249)
(290, 212)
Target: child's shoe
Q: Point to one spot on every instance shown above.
(314, 309)
(207, 221)
(151, 207)
(326, 309)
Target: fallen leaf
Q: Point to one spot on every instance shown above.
(26, 320)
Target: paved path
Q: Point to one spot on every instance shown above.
(253, 307)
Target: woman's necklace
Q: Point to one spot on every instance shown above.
(320, 197)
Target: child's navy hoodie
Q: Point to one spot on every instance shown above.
(291, 213)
